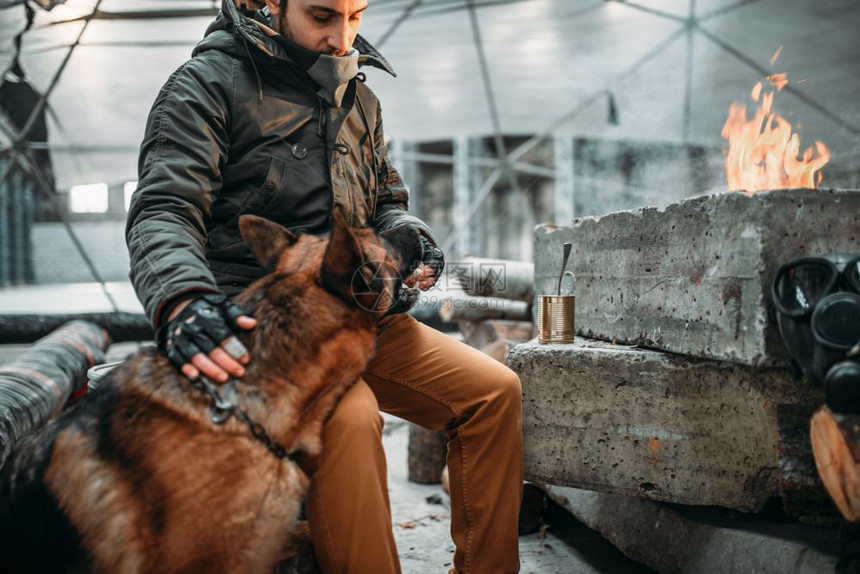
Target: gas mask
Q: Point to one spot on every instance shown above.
(817, 301)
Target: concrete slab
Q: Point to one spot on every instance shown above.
(681, 541)
(645, 423)
(695, 278)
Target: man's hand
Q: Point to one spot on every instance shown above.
(427, 269)
(430, 267)
(423, 278)
(200, 337)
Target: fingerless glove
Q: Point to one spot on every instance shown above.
(200, 327)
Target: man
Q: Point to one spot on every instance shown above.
(271, 117)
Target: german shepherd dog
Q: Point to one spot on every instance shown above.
(136, 477)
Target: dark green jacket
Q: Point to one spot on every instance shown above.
(240, 129)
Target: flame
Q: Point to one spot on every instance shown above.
(775, 56)
(778, 80)
(763, 152)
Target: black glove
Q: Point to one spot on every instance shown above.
(204, 324)
(431, 256)
(406, 299)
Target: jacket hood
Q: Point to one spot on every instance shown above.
(242, 30)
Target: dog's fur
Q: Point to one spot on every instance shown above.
(136, 478)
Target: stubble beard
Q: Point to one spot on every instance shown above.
(284, 26)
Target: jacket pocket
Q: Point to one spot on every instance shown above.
(357, 190)
(254, 203)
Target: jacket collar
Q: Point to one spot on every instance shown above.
(246, 20)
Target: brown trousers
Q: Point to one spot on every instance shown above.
(432, 380)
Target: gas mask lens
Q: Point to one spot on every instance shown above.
(836, 321)
(852, 274)
(801, 284)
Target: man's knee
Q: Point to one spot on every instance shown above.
(510, 389)
(502, 390)
(356, 416)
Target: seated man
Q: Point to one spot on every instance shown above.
(271, 117)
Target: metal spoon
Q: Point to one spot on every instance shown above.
(567, 248)
(568, 283)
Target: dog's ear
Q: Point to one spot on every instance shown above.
(342, 258)
(267, 239)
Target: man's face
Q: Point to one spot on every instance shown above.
(324, 26)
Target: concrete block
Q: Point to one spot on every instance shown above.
(645, 423)
(682, 541)
(695, 277)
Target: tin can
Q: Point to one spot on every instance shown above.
(555, 318)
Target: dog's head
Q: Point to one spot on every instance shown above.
(360, 267)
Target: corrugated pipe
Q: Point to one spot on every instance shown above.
(37, 384)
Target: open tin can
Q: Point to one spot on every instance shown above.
(555, 318)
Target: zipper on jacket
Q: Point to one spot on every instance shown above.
(343, 150)
(374, 177)
(321, 130)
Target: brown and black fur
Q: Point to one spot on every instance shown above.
(136, 478)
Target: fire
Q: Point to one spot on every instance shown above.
(764, 153)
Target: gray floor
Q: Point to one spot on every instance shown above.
(421, 529)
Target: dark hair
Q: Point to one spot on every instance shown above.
(282, 14)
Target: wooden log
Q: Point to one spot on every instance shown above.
(503, 278)
(496, 337)
(426, 310)
(531, 508)
(18, 329)
(427, 452)
(836, 447)
(802, 493)
(478, 334)
(36, 384)
(456, 307)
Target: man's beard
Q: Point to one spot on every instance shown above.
(284, 26)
